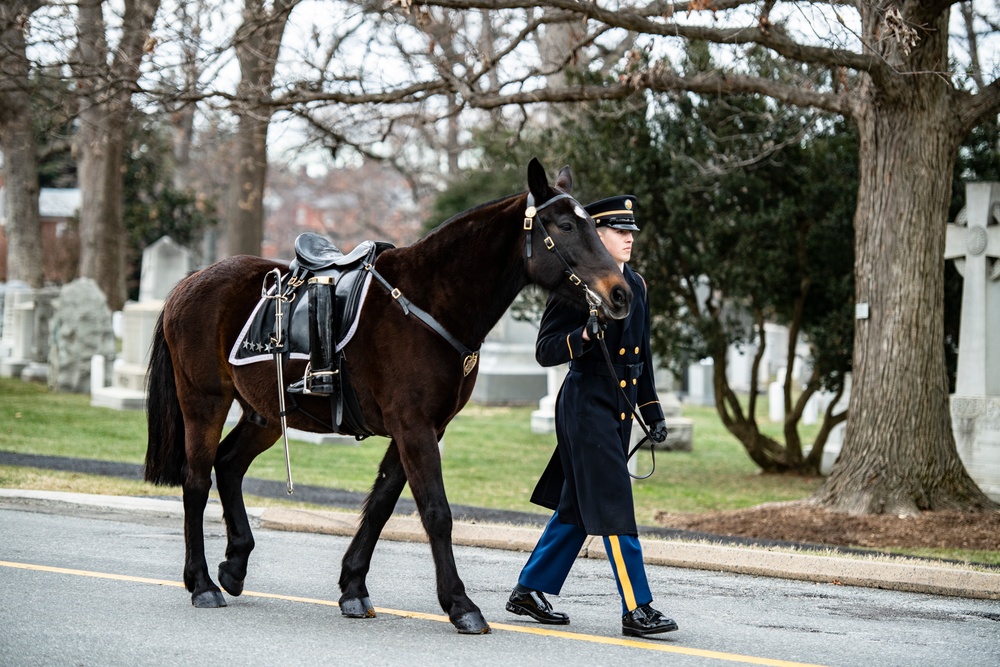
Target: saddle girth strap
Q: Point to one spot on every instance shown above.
(469, 357)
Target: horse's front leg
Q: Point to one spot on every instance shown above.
(354, 601)
(422, 463)
(236, 452)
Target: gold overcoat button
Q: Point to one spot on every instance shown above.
(623, 384)
(621, 352)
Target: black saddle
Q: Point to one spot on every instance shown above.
(316, 253)
(321, 275)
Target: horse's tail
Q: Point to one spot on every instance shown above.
(165, 458)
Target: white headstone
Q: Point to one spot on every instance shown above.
(18, 328)
(776, 398)
(543, 420)
(701, 387)
(834, 441)
(44, 302)
(739, 367)
(508, 372)
(775, 350)
(164, 264)
(973, 241)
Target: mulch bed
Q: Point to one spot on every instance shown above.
(793, 522)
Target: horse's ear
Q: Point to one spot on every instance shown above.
(538, 182)
(565, 180)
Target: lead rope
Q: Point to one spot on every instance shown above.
(635, 411)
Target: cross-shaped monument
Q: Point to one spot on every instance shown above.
(974, 243)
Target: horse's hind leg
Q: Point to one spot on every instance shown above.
(202, 428)
(236, 452)
(389, 483)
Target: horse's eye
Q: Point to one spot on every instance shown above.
(566, 227)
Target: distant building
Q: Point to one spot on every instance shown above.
(59, 210)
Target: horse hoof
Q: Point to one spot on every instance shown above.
(208, 600)
(231, 584)
(471, 623)
(357, 608)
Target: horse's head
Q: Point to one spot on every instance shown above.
(565, 254)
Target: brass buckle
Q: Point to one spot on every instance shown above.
(573, 279)
(527, 224)
(396, 293)
(549, 243)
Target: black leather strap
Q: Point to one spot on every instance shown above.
(469, 357)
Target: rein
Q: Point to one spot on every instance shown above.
(635, 411)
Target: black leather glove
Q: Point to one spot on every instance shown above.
(595, 326)
(658, 431)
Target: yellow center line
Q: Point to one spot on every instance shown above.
(441, 618)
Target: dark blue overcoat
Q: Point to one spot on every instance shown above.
(587, 477)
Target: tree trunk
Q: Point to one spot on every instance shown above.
(105, 92)
(245, 212)
(257, 43)
(17, 139)
(899, 455)
(102, 228)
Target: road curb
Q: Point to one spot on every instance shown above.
(863, 571)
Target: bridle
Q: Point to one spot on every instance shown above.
(529, 216)
(593, 300)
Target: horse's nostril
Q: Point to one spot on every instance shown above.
(618, 296)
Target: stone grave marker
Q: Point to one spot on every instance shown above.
(508, 372)
(44, 302)
(18, 323)
(81, 328)
(164, 263)
(973, 241)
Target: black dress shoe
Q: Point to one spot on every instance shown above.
(534, 604)
(644, 620)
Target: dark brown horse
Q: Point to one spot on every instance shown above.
(408, 379)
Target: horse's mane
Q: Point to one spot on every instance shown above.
(469, 212)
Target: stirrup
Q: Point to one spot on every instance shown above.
(319, 383)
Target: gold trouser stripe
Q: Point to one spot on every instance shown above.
(619, 561)
(570, 346)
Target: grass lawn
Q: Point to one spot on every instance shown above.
(491, 457)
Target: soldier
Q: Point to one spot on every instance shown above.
(586, 481)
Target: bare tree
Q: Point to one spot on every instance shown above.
(257, 42)
(17, 139)
(105, 80)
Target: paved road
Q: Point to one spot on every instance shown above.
(76, 589)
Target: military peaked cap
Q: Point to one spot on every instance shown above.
(616, 212)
